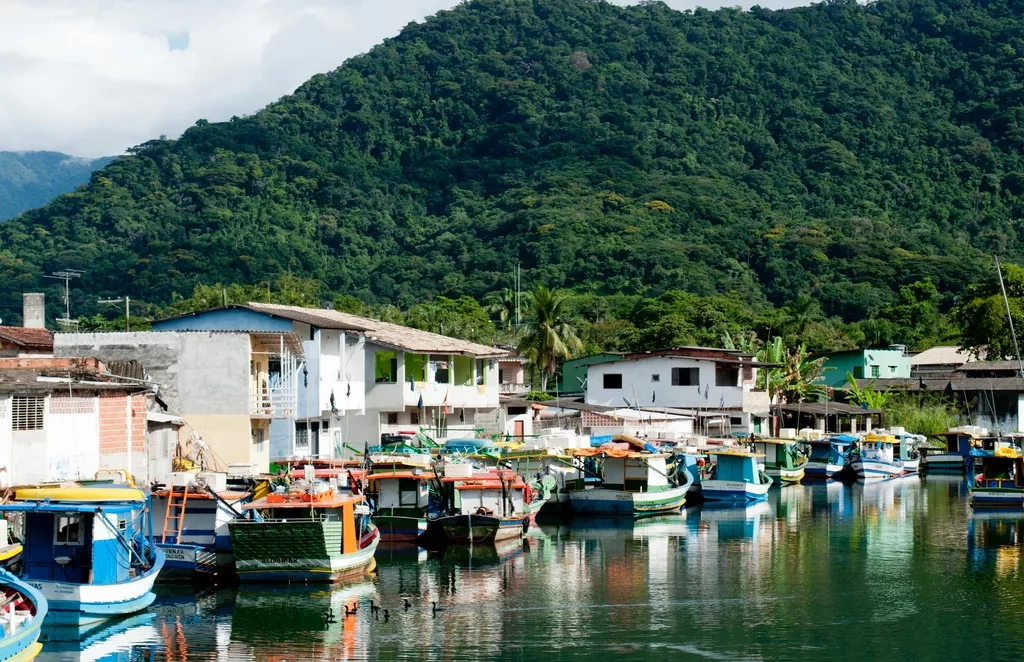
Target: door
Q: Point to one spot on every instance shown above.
(519, 429)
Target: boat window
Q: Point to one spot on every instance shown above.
(122, 524)
(68, 530)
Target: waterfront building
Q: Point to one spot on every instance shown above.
(356, 379)
(717, 386)
(891, 363)
(573, 378)
(226, 385)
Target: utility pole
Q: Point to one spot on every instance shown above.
(127, 309)
(66, 275)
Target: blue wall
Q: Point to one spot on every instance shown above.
(225, 319)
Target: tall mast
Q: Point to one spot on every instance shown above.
(1009, 317)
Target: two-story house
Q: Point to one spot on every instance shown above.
(227, 384)
(360, 378)
(891, 363)
(718, 385)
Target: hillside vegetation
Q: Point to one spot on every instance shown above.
(31, 179)
(833, 159)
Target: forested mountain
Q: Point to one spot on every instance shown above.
(31, 179)
(837, 151)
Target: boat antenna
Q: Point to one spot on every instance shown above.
(1009, 317)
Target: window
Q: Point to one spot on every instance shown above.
(892, 370)
(726, 375)
(685, 376)
(414, 418)
(858, 372)
(613, 380)
(441, 371)
(875, 372)
(122, 524)
(68, 530)
(392, 418)
(481, 372)
(516, 411)
(416, 367)
(735, 420)
(27, 412)
(385, 367)
(501, 376)
(463, 371)
(655, 379)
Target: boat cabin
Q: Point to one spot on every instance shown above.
(778, 452)
(1002, 471)
(961, 442)
(737, 466)
(338, 513)
(497, 494)
(401, 490)
(80, 542)
(638, 472)
(877, 447)
(829, 449)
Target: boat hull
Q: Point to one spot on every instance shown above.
(821, 470)
(281, 562)
(945, 463)
(875, 469)
(397, 528)
(600, 501)
(194, 563)
(787, 476)
(734, 490)
(481, 529)
(911, 466)
(997, 498)
(24, 644)
(84, 604)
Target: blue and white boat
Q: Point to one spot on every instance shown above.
(88, 550)
(873, 459)
(192, 521)
(827, 456)
(960, 441)
(22, 612)
(737, 477)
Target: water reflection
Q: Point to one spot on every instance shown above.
(889, 569)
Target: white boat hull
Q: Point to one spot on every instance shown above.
(734, 490)
(876, 469)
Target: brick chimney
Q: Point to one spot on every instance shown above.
(33, 311)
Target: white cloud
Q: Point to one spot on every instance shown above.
(93, 77)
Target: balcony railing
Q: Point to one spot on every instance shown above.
(273, 403)
(513, 389)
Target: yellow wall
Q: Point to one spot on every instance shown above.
(228, 435)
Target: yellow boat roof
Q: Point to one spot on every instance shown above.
(736, 453)
(880, 438)
(82, 494)
(773, 440)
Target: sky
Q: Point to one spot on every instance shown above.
(93, 77)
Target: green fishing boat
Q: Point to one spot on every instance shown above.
(783, 459)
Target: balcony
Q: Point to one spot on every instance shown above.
(272, 403)
(513, 389)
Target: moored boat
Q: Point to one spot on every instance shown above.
(736, 477)
(194, 516)
(1000, 482)
(304, 536)
(955, 459)
(402, 503)
(484, 508)
(873, 458)
(905, 450)
(22, 612)
(88, 550)
(827, 456)
(783, 460)
(633, 483)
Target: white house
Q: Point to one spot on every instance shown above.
(703, 380)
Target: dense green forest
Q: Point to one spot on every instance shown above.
(840, 170)
(31, 179)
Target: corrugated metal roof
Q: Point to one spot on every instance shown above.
(944, 355)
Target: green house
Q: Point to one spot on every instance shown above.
(890, 363)
(574, 371)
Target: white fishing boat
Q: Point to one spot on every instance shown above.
(873, 458)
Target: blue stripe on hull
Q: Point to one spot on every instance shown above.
(72, 612)
(733, 495)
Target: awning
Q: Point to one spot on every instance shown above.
(162, 417)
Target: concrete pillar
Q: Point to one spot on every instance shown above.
(33, 310)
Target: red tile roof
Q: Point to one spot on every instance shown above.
(40, 339)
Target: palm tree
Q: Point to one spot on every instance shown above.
(503, 305)
(794, 377)
(547, 336)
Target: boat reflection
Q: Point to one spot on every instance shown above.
(733, 523)
(994, 538)
(123, 640)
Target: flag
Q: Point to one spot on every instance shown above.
(334, 407)
(707, 389)
(654, 397)
(412, 383)
(419, 405)
(305, 377)
(348, 391)
(444, 403)
(721, 402)
(462, 415)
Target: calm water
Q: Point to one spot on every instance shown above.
(892, 570)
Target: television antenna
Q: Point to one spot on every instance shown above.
(67, 275)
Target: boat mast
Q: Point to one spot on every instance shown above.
(1009, 317)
